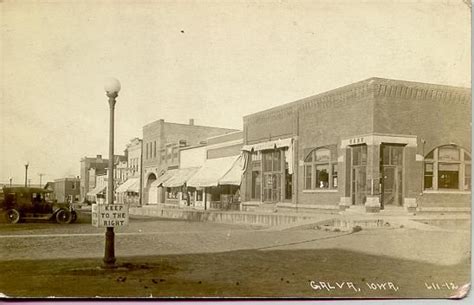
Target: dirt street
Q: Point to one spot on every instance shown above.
(179, 258)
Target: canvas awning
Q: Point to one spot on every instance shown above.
(211, 171)
(131, 185)
(135, 187)
(163, 178)
(268, 145)
(234, 175)
(180, 177)
(97, 190)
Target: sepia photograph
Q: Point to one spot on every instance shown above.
(237, 149)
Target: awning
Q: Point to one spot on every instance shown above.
(211, 171)
(129, 186)
(135, 187)
(97, 190)
(181, 176)
(268, 145)
(165, 177)
(234, 175)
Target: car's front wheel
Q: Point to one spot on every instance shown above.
(13, 216)
(63, 217)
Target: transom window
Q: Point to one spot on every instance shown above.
(447, 167)
(272, 161)
(320, 169)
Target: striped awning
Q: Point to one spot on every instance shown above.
(163, 178)
(131, 185)
(234, 175)
(211, 171)
(97, 190)
(180, 177)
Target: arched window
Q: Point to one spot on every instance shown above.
(447, 167)
(320, 169)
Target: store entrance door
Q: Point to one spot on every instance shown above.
(271, 187)
(358, 174)
(391, 185)
(391, 171)
(358, 184)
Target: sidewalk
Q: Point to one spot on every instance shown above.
(284, 220)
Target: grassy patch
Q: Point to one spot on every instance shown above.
(249, 273)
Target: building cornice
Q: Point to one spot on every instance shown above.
(369, 88)
(418, 91)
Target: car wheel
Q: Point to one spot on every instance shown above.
(73, 216)
(63, 217)
(13, 216)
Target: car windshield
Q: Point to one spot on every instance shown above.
(37, 197)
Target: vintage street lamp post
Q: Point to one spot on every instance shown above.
(112, 88)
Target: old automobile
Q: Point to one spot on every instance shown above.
(26, 203)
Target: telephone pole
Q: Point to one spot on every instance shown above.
(41, 178)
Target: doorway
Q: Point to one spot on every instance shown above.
(271, 187)
(358, 174)
(392, 174)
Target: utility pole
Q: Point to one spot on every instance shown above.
(26, 173)
(41, 178)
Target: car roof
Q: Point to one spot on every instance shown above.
(23, 189)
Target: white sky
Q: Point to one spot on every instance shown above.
(234, 58)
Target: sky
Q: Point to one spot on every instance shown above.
(214, 61)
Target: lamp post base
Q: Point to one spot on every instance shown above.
(109, 256)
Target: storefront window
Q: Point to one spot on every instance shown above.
(322, 176)
(428, 175)
(359, 155)
(199, 195)
(320, 169)
(448, 153)
(448, 176)
(288, 183)
(307, 174)
(272, 161)
(256, 184)
(255, 156)
(334, 175)
(172, 192)
(467, 176)
(448, 167)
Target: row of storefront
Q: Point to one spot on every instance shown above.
(214, 185)
(371, 145)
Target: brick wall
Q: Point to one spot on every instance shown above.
(233, 136)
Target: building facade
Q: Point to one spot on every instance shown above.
(217, 182)
(128, 192)
(67, 189)
(160, 150)
(91, 168)
(371, 145)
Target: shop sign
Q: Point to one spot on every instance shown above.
(355, 141)
(109, 215)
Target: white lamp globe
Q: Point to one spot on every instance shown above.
(112, 85)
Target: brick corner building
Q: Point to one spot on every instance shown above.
(371, 145)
